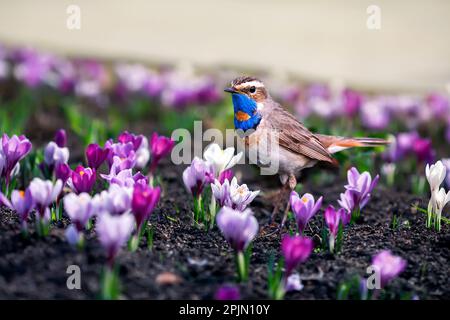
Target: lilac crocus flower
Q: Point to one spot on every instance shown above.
(122, 155)
(83, 179)
(160, 147)
(13, 150)
(79, 208)
(113, 232)
(44, 193)
(240, 195)
(238, 228)
(227, 292)
(352, 101)
(195, 176)
(423, 150)
(360, 187)
(221, 192)
(61, 138)
(304, 208)
(96, 155)
(21, 202)
(54, 154)
(295, 250)
(439, 104)
(375, 115)
(116, 200)
(144, 202)
(333, 219)
(388, 265)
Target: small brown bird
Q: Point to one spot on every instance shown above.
(266, 124)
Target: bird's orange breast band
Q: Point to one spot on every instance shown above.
(242, 116)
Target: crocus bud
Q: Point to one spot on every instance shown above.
(388, 266)
(195, 176)
(63, 172)
(304, 208)
(144, 201)
(296, 250)
(238, 228)
(44, 193)
(221, 159)
(83, 179)
(61, 138)
(95, 155)
(333, 218)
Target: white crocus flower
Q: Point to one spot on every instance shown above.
(440, 200)
(435, 175)
(221, 159)
(240, 195)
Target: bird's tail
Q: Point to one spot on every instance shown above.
(335, 144)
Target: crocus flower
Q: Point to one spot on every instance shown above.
(44, 193)
(221, 192)
(54, 155)
(143, 203)
(116, 200)
(226, 175)
(388, 266)
(221, 159)
(63, 172)
(13, 150)
(435, 174)
(21, 202)
(240, 195)
(61, 138)
(79, 208)
(440, 199)
(333, 219)
(238, 228)
(122, 155)
(446, 163)
(352, 101)
(227, 292)
(96, 155)
(160, 147)
(360, 186)
(196, 176)
(347, 201)
(423, 150)
(142, 154)
(295, 250)
(304, 208)
(83, 179)
(113, 232)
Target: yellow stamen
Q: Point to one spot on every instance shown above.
(81, 173)
(22, 194)
(304, 199)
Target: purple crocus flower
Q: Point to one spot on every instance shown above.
(423, 150)
(226, 174)
(304, 208)
(227, 292)
(143, 203)
(61, 138)
(13, 150)
(96, 155)
(360, 186)
(195, 176)
(79, 208)
(83, 179)
(126, 137)
(388, 265)
(295, 250)
(238, 228)
(333, 219)
(113, 232)
(44, 193)
(54, 155)
(63, 172)
(22, 202)
(160, 147)
(116, 200)
(221, 192)
(233, 195)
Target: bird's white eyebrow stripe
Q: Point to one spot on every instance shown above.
(254, 83)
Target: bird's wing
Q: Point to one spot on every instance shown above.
(295, 137)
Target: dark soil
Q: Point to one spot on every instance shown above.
(36, 268)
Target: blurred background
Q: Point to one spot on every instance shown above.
(351, 68)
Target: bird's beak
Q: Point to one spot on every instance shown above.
(230, 90)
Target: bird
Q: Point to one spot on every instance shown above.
(257, 118)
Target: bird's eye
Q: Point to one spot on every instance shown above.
(252, 89)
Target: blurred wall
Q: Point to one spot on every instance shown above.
(318, 39)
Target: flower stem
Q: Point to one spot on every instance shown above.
(241, 266)
(331, 243)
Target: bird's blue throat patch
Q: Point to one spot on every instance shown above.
(246, 115)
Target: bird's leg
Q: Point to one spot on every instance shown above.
(279, 201)
(291, 183)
